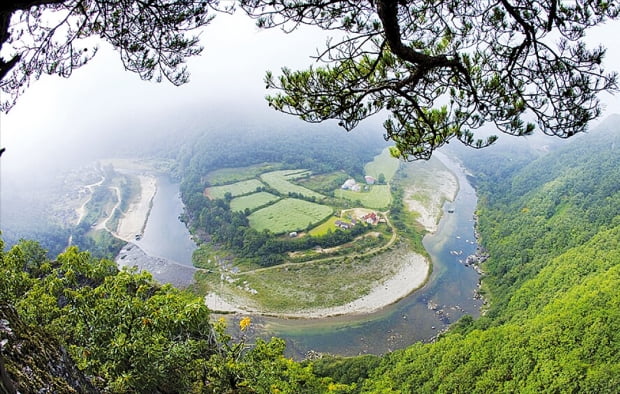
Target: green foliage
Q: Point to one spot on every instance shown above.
(238, 367)
(552, 278)
(120, 326)
(446, 70)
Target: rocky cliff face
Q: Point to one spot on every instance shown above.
(33, 362)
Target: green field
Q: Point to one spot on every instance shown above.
(287, 215)
(278, 180)
(379, 196)
(235, 189)
(384, 164)
(324, 228)
(324, 183)
(252, 201)
(225, 176)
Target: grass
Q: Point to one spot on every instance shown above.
(224, 176)
(324, 183)
(235, 189)
(252, 201)
(289, 214)
(384, 164)
(279, 180)
(378, 197)
(324, 227)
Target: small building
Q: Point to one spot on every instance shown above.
(348, 184)
(370, 218)
(370, 180)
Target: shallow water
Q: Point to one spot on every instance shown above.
(165, 235)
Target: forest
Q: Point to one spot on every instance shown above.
(551, 224)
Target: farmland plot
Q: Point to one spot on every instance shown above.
(289, 214)
(252, 201)
(235, 189)
(278, 180)
(378, 197)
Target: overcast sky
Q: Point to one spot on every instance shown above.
(101, 104)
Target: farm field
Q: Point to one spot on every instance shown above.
(235, 189)
(287, 215)
(384, 164)
(225, 176)
(378, 197)
(279, 180)
(252, 201)
(324, 183)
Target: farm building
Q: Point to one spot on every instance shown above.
(370, 180)
(349, 183)
(370, 218)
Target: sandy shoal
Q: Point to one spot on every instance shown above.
(134, 220)
(445, 187)
(410, 277)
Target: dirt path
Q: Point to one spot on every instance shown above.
(81, 211)
(104, 224)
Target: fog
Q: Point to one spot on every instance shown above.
(103, 110)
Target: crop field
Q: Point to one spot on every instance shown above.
(225, 176)
(378, 197)
(324, 183)
(235, 189)
(384, 164)
(287, 215)
(279, 181)
(252, 201)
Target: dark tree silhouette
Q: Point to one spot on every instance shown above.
(445, 68)
(154, 37)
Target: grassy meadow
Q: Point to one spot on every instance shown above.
(289, 214)
(252, 201)
(235, 189)
(378, 197)
(279, 180)
(384, 164)
(224, 176)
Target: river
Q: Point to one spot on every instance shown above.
(165, 235)
(448, 294)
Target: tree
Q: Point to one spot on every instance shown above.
(52, 37)
(444, 69)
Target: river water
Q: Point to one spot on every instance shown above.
(448, 295)
(165, 235)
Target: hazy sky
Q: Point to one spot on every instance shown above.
(102, 105)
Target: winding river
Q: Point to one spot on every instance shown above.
(448, 294)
